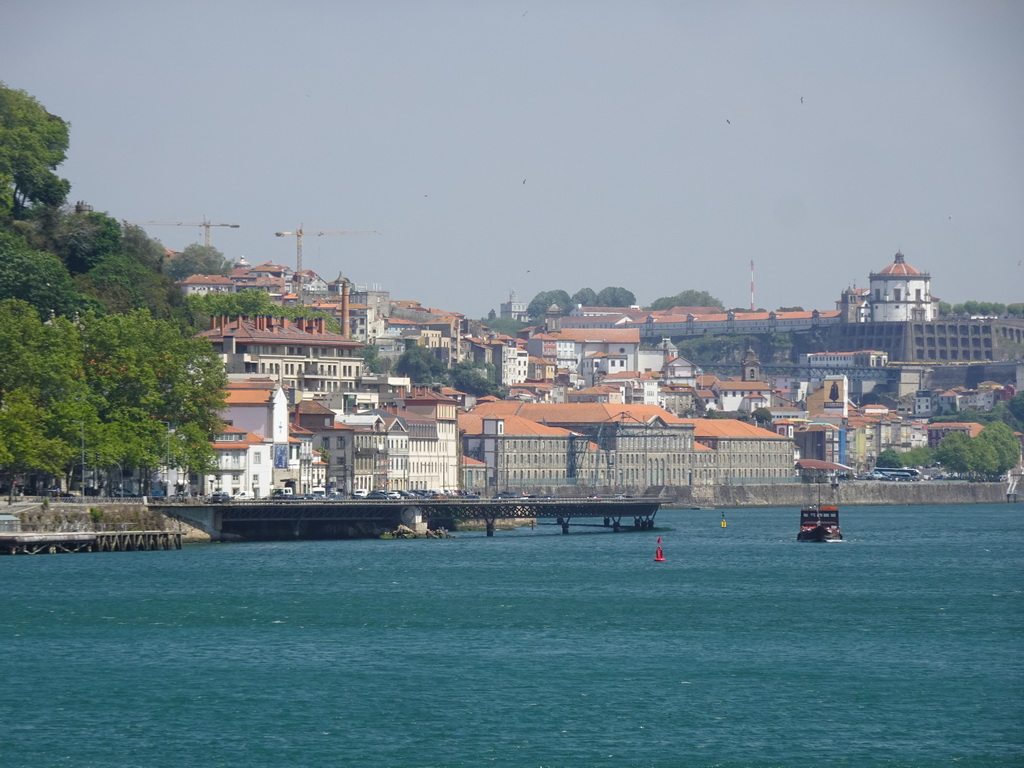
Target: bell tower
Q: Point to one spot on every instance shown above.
(751, 366)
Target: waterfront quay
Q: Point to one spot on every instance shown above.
(87, 541)
(350, 519)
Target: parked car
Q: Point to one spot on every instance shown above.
(360, 493)
(242, 496)
(220, 497)
(509, 495)
(377, 495)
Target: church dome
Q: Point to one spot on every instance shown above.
(900, 268)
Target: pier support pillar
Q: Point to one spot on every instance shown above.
(490, 526)
(564, 522)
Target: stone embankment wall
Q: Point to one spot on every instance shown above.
(55, 517)
(849, 493)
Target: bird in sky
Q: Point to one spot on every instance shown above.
(801, 99)
(728, 121)
(524, 181)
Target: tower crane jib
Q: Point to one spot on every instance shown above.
(298, 235)
(205, 224)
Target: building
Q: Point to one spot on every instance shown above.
(514, 309)
(301, 354)
(519, 453)
(243, 464)
(900, 293)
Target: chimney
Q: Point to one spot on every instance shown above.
(346, 327)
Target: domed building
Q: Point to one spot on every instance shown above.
(900, 293)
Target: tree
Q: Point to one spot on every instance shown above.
(584, 297)
(421, 366)
(83, 240)
(687, 299)
(24, 446)
(506, 325)
(543, 300)
(922, 456)
(372, 361)
(762, 417)
(36, 277)
(197, 260)
(32, 144)
(889, 458)
(1016, 407)
(475, 378)
(614, 297)
(954, 452)
(1005, 447)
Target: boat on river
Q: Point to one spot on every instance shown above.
(818, 523)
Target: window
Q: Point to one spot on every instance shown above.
(257, 457)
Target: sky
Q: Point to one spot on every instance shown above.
(522, 146)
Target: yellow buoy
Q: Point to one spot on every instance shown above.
(723, 523)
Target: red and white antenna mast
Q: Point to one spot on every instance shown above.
(751, 285)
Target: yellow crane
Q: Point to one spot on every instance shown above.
(205, 224)
(298, 234)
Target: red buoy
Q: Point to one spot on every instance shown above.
(659, 556)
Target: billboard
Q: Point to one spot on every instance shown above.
(835, 388)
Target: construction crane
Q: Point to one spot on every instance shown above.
(205, 224)
(298, 234)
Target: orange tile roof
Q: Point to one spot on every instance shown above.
(247, 397)
(579, 413)
(473, 424)
(729, 428)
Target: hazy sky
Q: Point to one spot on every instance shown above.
(528, 146)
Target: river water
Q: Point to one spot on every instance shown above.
(901, 646)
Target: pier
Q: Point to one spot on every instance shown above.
(275, 520)
(87, 541)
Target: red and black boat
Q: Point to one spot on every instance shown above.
(819, 523)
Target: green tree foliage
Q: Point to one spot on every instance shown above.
(922, 456)
(585, 297)
(687, 299)
(1016, 407)
(372, 361)
(83, 240)
(540, 303)
(116, 378)
(613, 296)
(475, 379)
(197, 260)
(36, 277)
(994, 451)
(954, 452)
(120, 283)
(32, 144)
(24, 446)
(762, 417)
(979, 308)
(1017, 310)
(505, 325)
(421, 366)
(889, 458)
(1004, 445)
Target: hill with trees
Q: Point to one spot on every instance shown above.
(100, 355)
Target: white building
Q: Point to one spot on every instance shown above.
(900, 293)
(244, 464)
